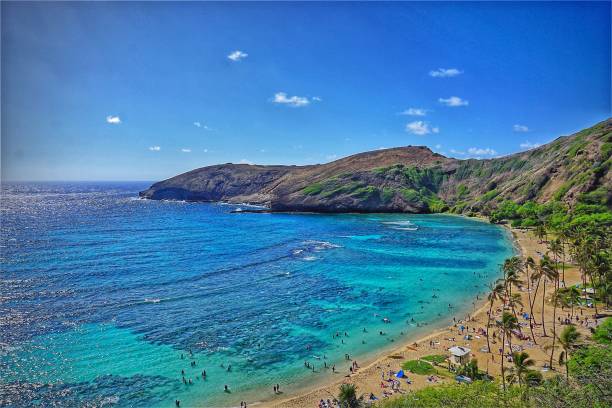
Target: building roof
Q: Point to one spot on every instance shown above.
(459, 351)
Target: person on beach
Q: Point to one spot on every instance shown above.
(226, 388)
(177, 403)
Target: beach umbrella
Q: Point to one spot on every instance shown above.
(400, 374)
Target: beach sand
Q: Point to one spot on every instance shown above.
(368, 377)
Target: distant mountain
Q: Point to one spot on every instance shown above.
(410, 179)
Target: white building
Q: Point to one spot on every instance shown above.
(459, 355)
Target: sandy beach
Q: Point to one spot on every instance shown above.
(368, 377)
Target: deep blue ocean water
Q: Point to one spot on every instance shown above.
(101, 293)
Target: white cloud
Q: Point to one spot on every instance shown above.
(186, 150)
(331, 156)
(237, 55)
(457, 152)
(113, 119)
(316, 99)
(520, 128)
(479, 151)
(420, 128)
(201, 125)
(528, 145)
(438, 146)
(293, 101)
(445, 72)
(155, 148)
(453, 101)
(245, 161)
(414, 112)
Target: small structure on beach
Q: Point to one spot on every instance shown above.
(459, 355)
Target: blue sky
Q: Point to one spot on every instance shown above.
(135, 91)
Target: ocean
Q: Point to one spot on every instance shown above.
(106, 299)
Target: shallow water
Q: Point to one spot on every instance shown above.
(101, 293)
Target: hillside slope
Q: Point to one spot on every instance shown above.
(410, 179)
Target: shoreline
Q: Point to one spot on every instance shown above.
(368, 377)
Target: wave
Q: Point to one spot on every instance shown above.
(321, 245)
(400, 223)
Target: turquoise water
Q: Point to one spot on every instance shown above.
(101, 294)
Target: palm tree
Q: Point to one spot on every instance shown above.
(556, 249)
(568, 339)
(569, 297)
(553, 275)
(564, 237)
(540, 232)
(515, 300)
(496, 293)
(348, 396)
(521, 362)
(533, 378)
(506, 325)
(530, 264)
(511, 268)
(541, 274)
(470, 369)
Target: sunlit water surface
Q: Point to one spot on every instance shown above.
(101, 294)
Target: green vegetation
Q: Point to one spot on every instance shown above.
(387, 194)
(556, 215)
(588, 386)
(603, 333)
(419, 367)
(606, 150)
(347, 398)
(489, 195)
(313, 189)
(462, 190)
(435, 358)
(577, 146)
(479, 394)
(582, 164)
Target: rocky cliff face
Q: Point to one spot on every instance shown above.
(408, 179)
